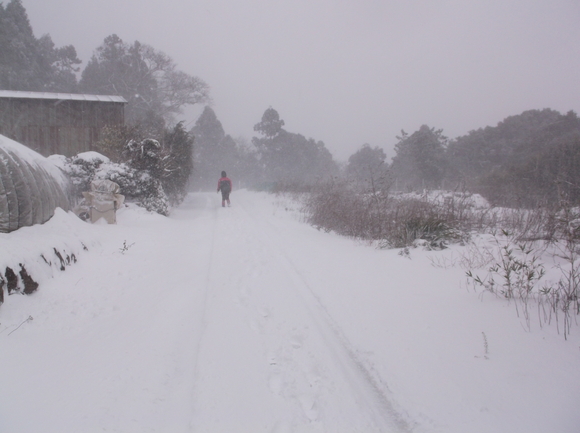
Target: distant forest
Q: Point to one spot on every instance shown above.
(527, 160)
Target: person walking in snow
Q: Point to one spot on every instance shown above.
(225, 186)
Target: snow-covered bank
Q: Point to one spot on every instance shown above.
(245, 319)
(44, 250)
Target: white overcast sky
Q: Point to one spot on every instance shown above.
(348, 72)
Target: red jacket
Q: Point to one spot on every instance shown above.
(226, 179)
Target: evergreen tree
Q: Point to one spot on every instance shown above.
(248, 169)
(214, 150)
(289, 158)
(163, 167)
(419, 161)
(27, 63)
(178, 167)
(368, 169)
(271, 124)
(146, 78)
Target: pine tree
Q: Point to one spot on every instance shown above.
(367, 168)
(288, 158)
(178, 167)
(214, 151)
(419, 161)
(145, 77)
(27, 63)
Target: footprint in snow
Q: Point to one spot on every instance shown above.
(309, 407)
(275, 379)
(296, 343)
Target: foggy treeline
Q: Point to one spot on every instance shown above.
(527, 159)
(277, 159)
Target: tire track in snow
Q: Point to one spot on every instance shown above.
(287, 370)
(202, 308)
(230, 391)
(365, 381)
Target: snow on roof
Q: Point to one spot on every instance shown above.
(61, 96)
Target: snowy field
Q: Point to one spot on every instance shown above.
(245, 319)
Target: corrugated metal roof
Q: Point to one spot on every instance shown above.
(61, 96)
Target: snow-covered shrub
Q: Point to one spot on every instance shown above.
(145, 155)
(137, 186)
(153, 173)
(517, 265)
(393, 221)
(80, 170)
(515, 271)
(165, 153)
(416, 222)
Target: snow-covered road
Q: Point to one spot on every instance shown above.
(202, 325)
(245, 319)
(269, 355)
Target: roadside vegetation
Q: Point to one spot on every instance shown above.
(509, 195)
(529, 257)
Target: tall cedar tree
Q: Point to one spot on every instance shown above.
(419, 161)
(214, 151)
(146, 78)
(178, 167)
(31, 64)
(290, 159)
(367, 168)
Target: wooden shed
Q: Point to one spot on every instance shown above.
(58, 123)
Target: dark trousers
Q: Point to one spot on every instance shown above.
(225, 197)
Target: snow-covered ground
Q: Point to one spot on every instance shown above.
(245, 319)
